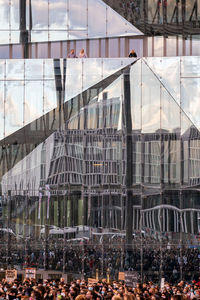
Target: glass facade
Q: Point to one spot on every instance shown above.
(100, 156)
(28, 21)
(102, 174)
(160, 17)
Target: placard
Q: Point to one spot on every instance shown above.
(162, 284)
(131, 278)
(11, 275)
(121, 276)
(92, 280)
(30, 273)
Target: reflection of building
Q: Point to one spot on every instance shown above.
(100, 157)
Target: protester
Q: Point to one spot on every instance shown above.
(81, 289)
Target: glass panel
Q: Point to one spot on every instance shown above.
(77, 16)
(33, 100)
(92, 72)
(190, 94)
(135, 79)
(4, 39)
(170, 112)
(50, 96)
(14, 14)
(39, 14)
(49, 72)
(77, 34)
(117, 25)
(55, 50)
(2, 69)
(14, 106)
(4, 15)
(58, 20)
(113, 65)
(96, 26)
(58, 35)
(73, 90)
(1, 109)
(34, 69)
(168, 71)
(190, 66)
(150, 101)
(39, 36)
(15, 69)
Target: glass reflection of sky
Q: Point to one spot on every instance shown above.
(28, 90)
(56, 20)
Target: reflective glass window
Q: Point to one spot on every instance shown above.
(50, 96)
(14, 106)
(77, 16)
(2, 107)
(34, 106)
(96, 26)
(58, 15)
(4, 15)
(150, 101)
(14, 14)
(39, 14)
(15, 69)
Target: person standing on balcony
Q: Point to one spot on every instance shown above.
(132, 54)
(82, 54)
(72, 54)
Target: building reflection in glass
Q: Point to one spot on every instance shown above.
(106, 180)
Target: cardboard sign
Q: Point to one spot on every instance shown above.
(92, 280)
(30, 273)
(131, 278)
(11, 275)
(162, 284)
(121, 276)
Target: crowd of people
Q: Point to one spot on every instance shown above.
(97, 290)
(85, 257)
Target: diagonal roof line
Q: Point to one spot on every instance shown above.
(170, 94)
